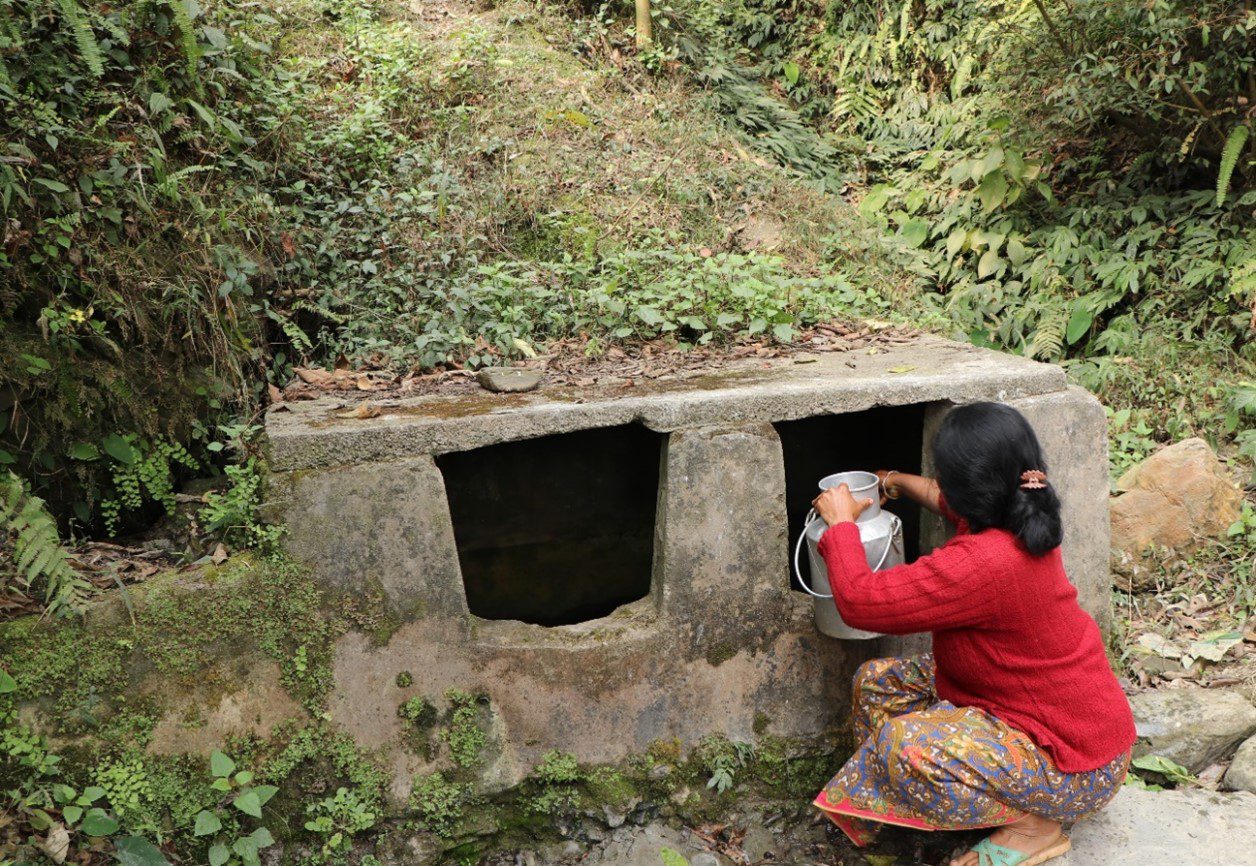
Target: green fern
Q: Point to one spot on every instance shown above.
(855, 106)
(89, 49)
(1243, 281)
(38, 556)
(1230, 159)
(1047, 343)
(187, 33)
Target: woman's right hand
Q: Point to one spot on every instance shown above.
(882, 474)
(918, 489)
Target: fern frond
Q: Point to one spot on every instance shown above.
(325, 310)
(299, 339)
(1048, 340)
(84, 38)
(854, 106)
(1230, 158)
(38, 556)
(187, 33)
(1243, 282)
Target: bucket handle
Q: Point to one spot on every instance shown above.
(896, 526)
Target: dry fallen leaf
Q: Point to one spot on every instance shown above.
(57, 844)
(344, 379)
(315, 376)
(363, 411)
(276, 396)
(219, 556)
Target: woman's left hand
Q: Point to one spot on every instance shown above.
(836, 505)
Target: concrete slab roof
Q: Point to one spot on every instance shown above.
(312, 434)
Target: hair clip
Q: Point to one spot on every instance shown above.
(1033, 479)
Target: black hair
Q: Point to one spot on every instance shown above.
(980, 451)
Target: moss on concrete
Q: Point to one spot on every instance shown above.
(464, 731)
(440, 804)
(420, 719)
(82, 678)
(367, 610)
(320, 757)
(719, 652)
(108, 676)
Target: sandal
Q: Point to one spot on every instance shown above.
(990, 854)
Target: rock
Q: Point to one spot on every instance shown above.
(1210, 776)
(572, 849)
(1193, 727)
(507, 380)
(1175, 498)
(1242, 773)
(402, 847)
(613, 819)
(760, 842)
(680, 795)
(659, 772)
(1149, 828)
(762, 232)
(705, 858)
(642, 846)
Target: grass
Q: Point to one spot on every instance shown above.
(475, 178)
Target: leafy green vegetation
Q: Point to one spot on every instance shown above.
(1160, 769)
(232, 827)
(38, 559)
(337, 819)
(556, 778)
(129, 188)
(723, 759)
(193, 210)
(464, 734)
(49, 815)
(235, 513)
(1075, 187)
(439, 803)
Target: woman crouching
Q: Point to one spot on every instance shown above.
(1016, 720)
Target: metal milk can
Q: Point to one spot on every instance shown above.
(881, 533)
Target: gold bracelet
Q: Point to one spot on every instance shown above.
(885, 485)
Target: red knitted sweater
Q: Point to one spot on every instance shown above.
(1008, 636)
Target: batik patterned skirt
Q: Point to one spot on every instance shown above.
(929, 765)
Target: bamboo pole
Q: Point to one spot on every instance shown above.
(645, 33)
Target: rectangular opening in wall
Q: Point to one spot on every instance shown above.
(556, 530)
(887, 437)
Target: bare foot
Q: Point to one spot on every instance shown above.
(1029, 835)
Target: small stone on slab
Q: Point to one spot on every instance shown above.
(506, 380)
(1242, 773)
